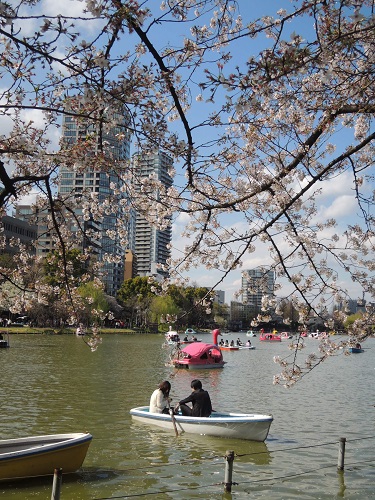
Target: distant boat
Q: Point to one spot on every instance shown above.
(285, 336)
(190, 331)
(4, 343)
(229, 347)
(41, 455)
(172, 336)
(269, 337)
(318, 335)
(250, 333)
(252, 427)
(355, 349)
(199, 355)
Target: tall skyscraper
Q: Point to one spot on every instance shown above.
(101, 233)
(151, 244)
(255, 284)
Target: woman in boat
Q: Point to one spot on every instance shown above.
(159, 401)
(200, 400)
(248, 343)
(232, 343)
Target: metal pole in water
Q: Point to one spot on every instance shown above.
(56, 486)
(229, 458)
(340, 463)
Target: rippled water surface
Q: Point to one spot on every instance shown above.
(55, 384)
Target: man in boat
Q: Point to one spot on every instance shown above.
(200, 400)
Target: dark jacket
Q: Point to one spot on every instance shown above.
(201, 402)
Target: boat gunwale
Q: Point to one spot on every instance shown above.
(238, 418)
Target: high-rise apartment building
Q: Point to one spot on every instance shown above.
(152, 244)
(219, 297)
(255, 284)
(74, 182)
(44, 241)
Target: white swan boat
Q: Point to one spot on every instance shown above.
(250, 426)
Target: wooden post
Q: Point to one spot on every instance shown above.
(56, 486)
(229, 458)
(340, 463)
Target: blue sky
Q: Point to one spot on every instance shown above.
(336, 199)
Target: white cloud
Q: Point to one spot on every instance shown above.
(340, 208)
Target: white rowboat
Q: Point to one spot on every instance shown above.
(252, 426)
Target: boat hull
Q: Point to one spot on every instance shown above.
(41, 455)
(228, 348)
(197, 366)
(251, 427)
(355, 350)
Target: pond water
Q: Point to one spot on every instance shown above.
(55, 384)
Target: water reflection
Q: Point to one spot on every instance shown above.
(341, 481)
(198, 447)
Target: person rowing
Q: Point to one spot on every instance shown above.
(200, 400)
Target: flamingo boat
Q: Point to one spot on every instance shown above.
(253, 427)
(269, 337)
(199, 355)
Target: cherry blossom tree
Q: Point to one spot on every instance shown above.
(261, 115)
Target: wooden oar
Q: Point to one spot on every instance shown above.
(173, 419)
